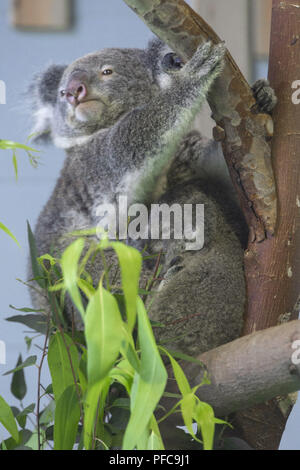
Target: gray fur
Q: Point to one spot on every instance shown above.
(136, 134)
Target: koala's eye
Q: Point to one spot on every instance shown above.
(171, 61)
(107, 72)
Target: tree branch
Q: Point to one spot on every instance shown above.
(242, 132)
(245, 372)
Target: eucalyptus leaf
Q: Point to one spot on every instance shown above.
(36, 267)
(34, 322)
(30, 361)
(18, 385)
(22, 416)
(8, 232)
(61, 368)
(67, 416)
(104, 334)
(7, 419)
(130, 261)
(148, 386)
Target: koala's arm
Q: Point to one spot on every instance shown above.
(145, 140)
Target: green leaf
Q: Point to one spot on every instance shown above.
(188, 412)
(121, 403)
(130, 263)
(69, 264)
(205, 418)
(15, 164)
(36, 267)
(59, 362)
(86, 288)
(67, 416)
(24, 436)
(18, 385)
(123, 373)
(8, 232)
(155, 441)
(30, 361)
(94, 406)
(47, 415)
(82, 371)
(180, 377)
(28, 342)
(27, 310)
(35, 322)
(10, 145)
(149, 385)
(7, 419)
(32, 443)
(104, 334)
(22, 416)
(49, 258)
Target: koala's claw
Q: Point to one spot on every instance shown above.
(266, 99)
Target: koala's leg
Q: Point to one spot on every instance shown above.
(201, 305)
(202, 296)
(265, 96)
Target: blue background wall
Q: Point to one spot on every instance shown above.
(99, 24)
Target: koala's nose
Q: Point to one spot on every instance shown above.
(75, 92)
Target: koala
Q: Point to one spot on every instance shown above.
(124, 118)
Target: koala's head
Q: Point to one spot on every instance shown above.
(73, 102)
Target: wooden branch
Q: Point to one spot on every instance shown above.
(273, 267)
(242, 132)
(245, 372)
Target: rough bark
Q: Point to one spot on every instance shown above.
(243, 133)
(249, 370)
(273, 267)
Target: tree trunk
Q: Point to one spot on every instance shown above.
(273, 267)
(272, 263)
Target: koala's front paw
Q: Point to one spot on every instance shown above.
(265, 96)
(207, 60)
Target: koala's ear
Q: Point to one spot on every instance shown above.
(43, 94)
(162, 61)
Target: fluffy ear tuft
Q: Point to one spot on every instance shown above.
(43, 93)
(155, 53)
